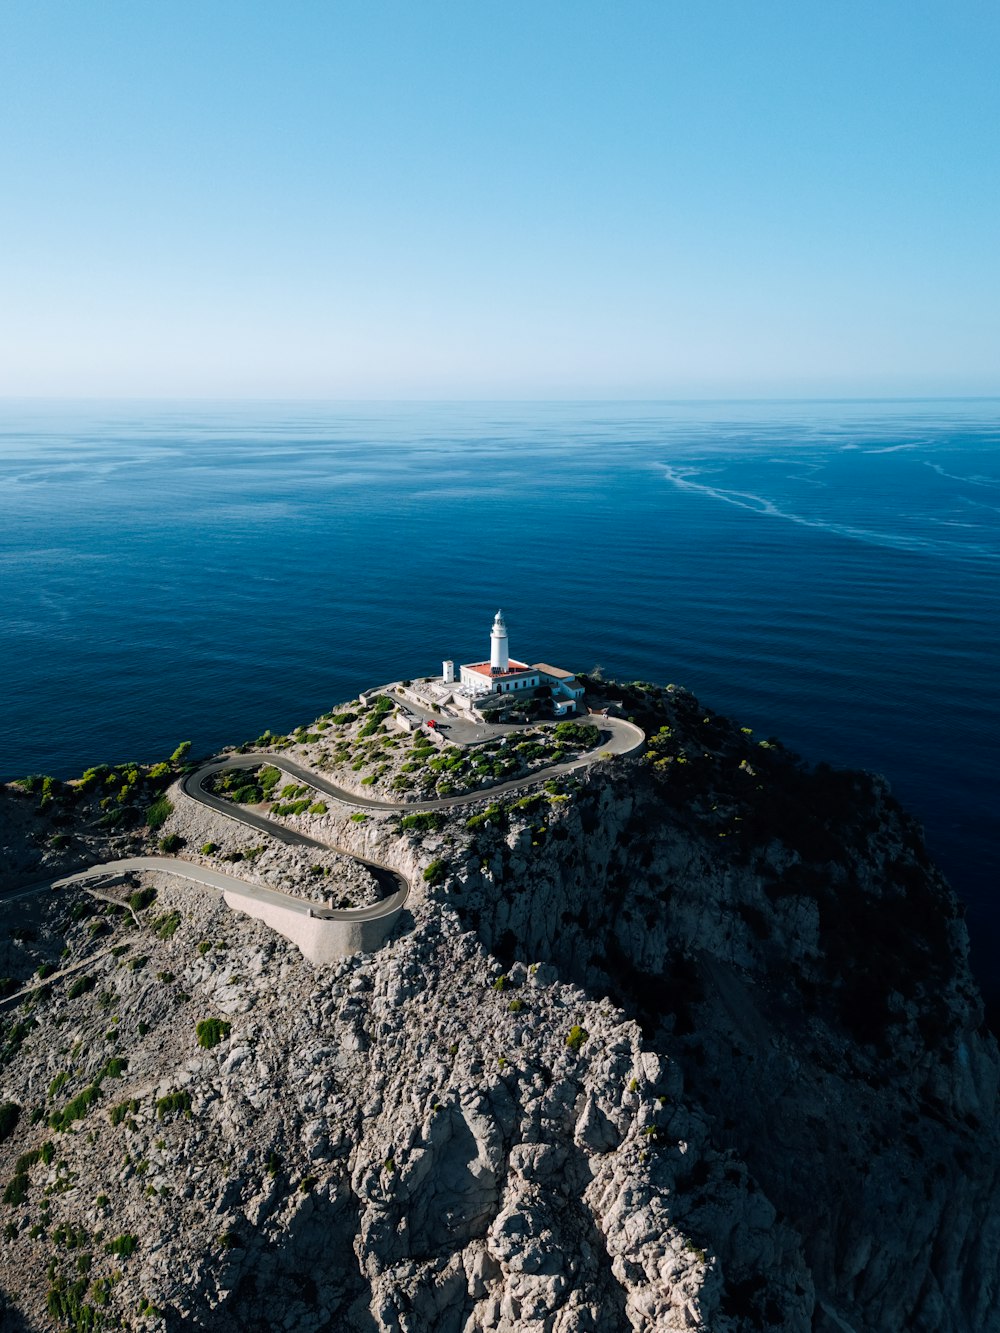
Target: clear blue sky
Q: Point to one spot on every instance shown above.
(410, 198)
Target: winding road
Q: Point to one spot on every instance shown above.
(617, 738)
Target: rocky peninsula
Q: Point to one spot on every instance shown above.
(677, 1038)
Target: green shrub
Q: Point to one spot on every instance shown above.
(81, 986)
(427, 821)
(578, 734)
(576, 1037)
(345, 719)
(319, 808)
(9, 1113)
(159, 812)
(529, 803)
(209, 848)
(181, 753)
(143, 898)
(114, 1068)
(173, 1101)
(123, 1246)
(165, 926)
(358, 817)
(17, 1190)
(211, 1031)
(77, 1108)
(493, 814)
(123, 1109)
(58, 1083)
(173, 842)
(291, 808)
(436, 872)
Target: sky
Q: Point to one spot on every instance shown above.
(417, 199)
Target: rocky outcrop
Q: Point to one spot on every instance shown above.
(411, 1140)
(783, 936)
(684, 1042)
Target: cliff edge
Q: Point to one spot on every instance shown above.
(681, 1041)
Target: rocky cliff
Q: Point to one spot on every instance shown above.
(685, 1041)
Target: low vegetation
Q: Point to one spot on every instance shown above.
(172, 1104)
(212, 1031)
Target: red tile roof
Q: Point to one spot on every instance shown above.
(483, 669)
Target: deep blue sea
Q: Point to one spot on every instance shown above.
(826, 572)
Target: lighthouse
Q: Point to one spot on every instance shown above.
(499, 656)
(504, 674)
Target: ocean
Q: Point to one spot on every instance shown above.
(825, 572)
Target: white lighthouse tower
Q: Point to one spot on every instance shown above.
(499, 655)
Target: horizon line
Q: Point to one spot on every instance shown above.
(409, 401)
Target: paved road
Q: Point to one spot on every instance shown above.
(225, 883)
(617, 738)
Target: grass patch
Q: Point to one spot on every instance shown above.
(172, 1103)
(576, 1037)
(77, 1108)
(58, 1083)
(158, 813)
(124, 1246)
(427, 821)
(165, 926)
(496, 815)
(122, 1110)
(211, 1031)
(291, 808)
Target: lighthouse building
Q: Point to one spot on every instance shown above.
(504, 674)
